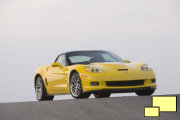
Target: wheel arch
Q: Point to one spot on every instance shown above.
(73, 71)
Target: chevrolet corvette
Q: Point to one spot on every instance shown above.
(97, 72)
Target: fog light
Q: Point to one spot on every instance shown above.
(153, 81)
(94, 83)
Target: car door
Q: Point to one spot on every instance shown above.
(56, 77)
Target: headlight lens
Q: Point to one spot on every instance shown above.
(146, 67)
(93, 69)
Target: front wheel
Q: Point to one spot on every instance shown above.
(145, 92)
(40, 89)
(76, 87)
(102, 95)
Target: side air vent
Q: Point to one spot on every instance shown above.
(46, 81)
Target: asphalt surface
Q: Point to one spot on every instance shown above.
(116, 108)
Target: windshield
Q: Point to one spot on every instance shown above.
(87, 57)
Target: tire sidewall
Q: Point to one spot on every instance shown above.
(44, 93)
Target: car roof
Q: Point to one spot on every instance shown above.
(84, 51)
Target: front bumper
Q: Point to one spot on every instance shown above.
(102, 80)
(128, 90)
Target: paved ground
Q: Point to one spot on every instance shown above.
(117, 108)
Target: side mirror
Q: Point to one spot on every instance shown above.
(127, 61)
(55, 64)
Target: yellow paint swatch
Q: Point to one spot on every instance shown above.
(166, 103)
(151, 112)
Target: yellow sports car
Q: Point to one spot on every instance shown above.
(82, 73)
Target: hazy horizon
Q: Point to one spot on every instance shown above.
(33, 33)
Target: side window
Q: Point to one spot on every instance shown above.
(108, 58)
(61, 60)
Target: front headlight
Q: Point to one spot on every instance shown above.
(93, 69)
(146, 67)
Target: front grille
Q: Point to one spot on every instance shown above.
(125, 83)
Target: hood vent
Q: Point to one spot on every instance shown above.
(122, 69)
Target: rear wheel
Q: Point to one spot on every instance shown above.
(102, 95)
(145, 92)
(76, 87)
(40, 90)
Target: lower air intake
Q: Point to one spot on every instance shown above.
(125, 83)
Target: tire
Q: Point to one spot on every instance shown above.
(145, 92)
(40, 90)
(102, 95)
(76, 87)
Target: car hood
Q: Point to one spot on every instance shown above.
(117, 66)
